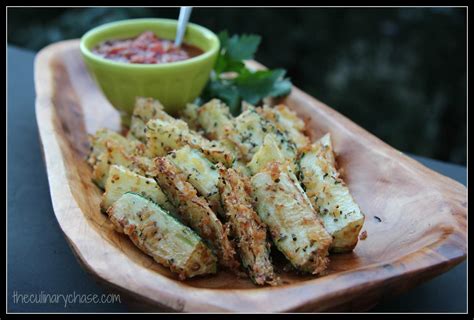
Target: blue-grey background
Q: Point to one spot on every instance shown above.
(39, 259)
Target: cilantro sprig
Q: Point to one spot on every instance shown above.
(233, 83)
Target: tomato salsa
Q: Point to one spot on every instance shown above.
(147, 48)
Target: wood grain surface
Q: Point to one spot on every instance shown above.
(415, 217)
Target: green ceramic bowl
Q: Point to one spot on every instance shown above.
(173, 84)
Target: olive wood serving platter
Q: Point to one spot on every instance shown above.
(415, 217)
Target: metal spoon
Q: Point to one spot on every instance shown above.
(184, 14)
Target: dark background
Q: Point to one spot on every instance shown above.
(398, 72)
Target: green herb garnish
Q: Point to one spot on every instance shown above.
(233, 83)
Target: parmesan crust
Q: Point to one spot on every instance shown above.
(246, 227)
(258, 171)
(195, 211)
(161, 236)
(294, 225)
(330, 196)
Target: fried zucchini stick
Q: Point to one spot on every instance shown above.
(163, 137)
(329, 194)
(200, 172)
(146, 109)
(195, 211)
(246, 226)
(161, 236)
(284, 207)
(115, 153)
(102, 137)
(122, 180)
(286, 121)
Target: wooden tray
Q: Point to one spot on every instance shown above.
(422, 231)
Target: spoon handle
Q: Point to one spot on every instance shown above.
(184, 14)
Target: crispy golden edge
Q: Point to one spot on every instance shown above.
(319, 260)
(246, 226)
(326, 157)
(294, 131)
(117, 174)
(181, 136)
(115, 153)
(195, 211)
(104, 139)
(190, 115)
(212, 198)
(133, 232)
(218, 113)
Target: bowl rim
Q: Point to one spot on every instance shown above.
(215, 45)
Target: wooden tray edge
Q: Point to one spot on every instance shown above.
(43, 114)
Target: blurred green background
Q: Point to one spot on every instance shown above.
(398, 72)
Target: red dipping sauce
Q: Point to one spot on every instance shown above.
(147, 48)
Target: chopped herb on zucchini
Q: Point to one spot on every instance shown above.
(161, 236)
